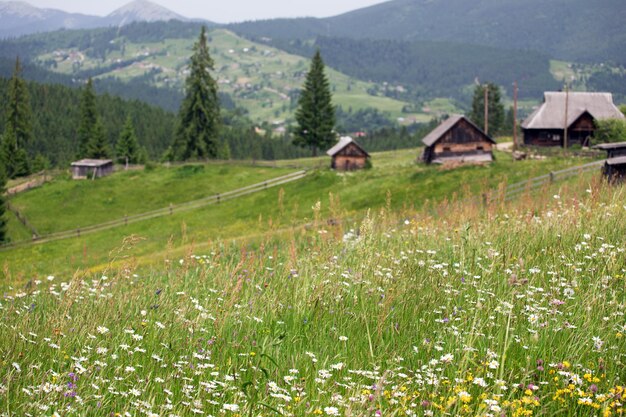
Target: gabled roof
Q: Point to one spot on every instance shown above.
(448, 124)
(608, 146)
(618, 160)
(343, 142)
(92, 162)
(551, 114)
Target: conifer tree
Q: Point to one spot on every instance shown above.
(18, 131)
(494, 107)
(315, 115)
(3, 207)
(199, 115)
(127, 148)
(14, 158)
(98, 147)
(88, 119)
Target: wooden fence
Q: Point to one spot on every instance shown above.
(166, 211)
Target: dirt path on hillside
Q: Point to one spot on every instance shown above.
(36, 181)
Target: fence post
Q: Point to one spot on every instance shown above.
(126, 220)
(218, 198)
(78, 232)
(551, 177)
(171, 209)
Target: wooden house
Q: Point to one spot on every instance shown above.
(91, 168)
(546, 125)
(457, 139)
(615, 166)
(347, 155)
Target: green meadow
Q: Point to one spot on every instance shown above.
(396, 181)
(461, 309)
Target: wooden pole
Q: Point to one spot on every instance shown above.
(565, 123)
(515, 115)
(486, 88)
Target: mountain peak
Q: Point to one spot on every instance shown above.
(142, 10)
(19, 8)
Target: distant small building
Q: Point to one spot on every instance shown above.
(457, 139)
(347, 155)
(546, 125)
(91, 168)
(615, 166)
(613, 149)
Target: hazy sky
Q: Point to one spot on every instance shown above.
(221, 11)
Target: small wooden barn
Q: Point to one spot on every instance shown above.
(91, 168)
(615, 166)
(457, 139)
(347, 155)
(546, 125)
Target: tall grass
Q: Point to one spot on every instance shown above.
(460, 309)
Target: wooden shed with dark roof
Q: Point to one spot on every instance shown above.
(457, 139)
(615, 165)
(576, 111)
(91, 168)
(348, 155)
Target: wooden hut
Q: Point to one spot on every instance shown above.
(457, 139)
(615, 165)
(347, 155)
(91, 168)
(546, 125)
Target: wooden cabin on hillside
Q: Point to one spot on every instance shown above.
(615, 166)
(546, 125)
(91, 168)
(347, 155)
(457, 139)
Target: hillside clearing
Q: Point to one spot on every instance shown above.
(516, 310)
(395, 181)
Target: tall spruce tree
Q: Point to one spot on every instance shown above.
(98, 147)
(199, 115)
(3, 207)
(315, 115)
(127, 148)
(18, 130)
(494, 107)
(88, 119)
(13, 157)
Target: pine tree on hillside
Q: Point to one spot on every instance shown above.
(3, 207)
(13, 158)
(495, 108)
(88, 119)
(199, 115)
(315, 115)
(18, 123)
(127, 148)
(98, 148)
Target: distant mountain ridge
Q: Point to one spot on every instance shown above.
(19, 18)
(577, 30)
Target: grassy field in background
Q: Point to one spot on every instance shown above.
(258, 77)
(78, 204)
(395, 181)
(513, 310)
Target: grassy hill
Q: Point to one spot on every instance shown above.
(458, 310)
(259, 78)
(395, 181)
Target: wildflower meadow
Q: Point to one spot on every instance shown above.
(493, 311)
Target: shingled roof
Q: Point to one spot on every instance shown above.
(343, 142)
(551, 114)
(439, 131)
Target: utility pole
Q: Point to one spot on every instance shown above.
(486, 88)
(566, 110)
(515, 115)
